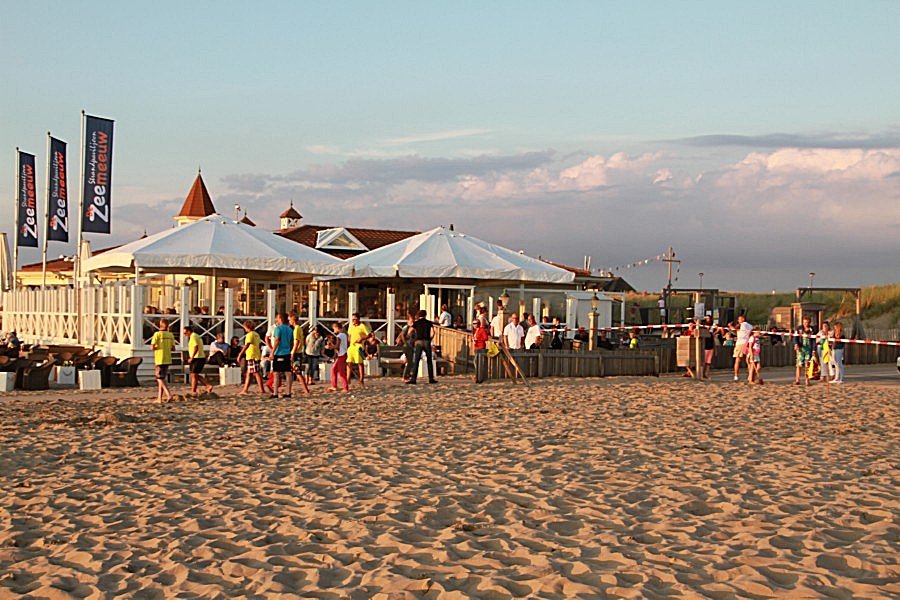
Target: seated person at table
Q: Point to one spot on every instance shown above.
(218, 351)
(371, 346)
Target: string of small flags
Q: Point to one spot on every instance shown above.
(635, 264)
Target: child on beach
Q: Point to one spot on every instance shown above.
(197, 359)
(253, 354)
(754, 367)
(339, 368)
(162, 343)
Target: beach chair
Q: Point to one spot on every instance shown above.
(36, 374)
(124, 374)
(105, 365)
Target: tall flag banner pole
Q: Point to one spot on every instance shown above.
(77, 265)
(46, 224)
(56, 219)
(97, 175)
(26, 204)
(15, 261)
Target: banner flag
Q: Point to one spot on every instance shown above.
(26, 202)
(58, 199)
(98, 147)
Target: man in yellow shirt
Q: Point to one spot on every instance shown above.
(197, 358)
(252, 352)
(162, 343)
(297, 350)
(357, 333)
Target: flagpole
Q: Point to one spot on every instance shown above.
(76, 268)
(46, 224)
(15, 265)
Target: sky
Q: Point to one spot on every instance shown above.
(761, 140)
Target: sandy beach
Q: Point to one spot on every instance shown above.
(564, 489)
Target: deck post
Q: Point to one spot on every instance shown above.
(229, 314)
(389, 307)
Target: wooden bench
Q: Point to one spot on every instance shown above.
(391, 359)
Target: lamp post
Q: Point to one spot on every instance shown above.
(812, 277)
(592, 322)
(701, 280)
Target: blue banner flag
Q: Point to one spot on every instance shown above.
(98, 147)
(26, 202)
(58, 200)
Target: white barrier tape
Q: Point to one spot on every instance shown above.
(790, 334)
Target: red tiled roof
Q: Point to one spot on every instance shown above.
(578, 272)
(370, 238)
(198, 203)
(291, 213)
(59, 265)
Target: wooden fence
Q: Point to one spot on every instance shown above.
(456, 349)
(657, 356)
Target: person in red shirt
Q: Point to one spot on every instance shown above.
(480, 337)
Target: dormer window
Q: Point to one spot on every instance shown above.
(338, 238)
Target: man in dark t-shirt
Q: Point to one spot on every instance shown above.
(424, 333)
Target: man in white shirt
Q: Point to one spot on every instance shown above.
(744, 331)
(446, 319)
(497, 321)
(513, 333)
(533, 335)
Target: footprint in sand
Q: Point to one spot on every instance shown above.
(701, 509)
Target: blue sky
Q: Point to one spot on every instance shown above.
(761, 139)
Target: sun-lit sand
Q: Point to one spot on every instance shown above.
(564, 489)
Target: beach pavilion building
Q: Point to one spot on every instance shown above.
(215, 272)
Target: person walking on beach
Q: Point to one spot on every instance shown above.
(803, 346)
(405, 341)
(754, 366)
(313, 353)
(744, 330)
(837, 353)
(197, 358)
(339, 368)
(252, 353)
(480, 339)
(282, 345)
(162, 343)
(708, 337)
(424, 333)
(297, 351)
(823, 351)
(356, 356)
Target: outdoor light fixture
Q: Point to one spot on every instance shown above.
(595, 302)
(504, 298)
(189, 281)
(701, 280)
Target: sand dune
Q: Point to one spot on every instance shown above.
(586, 489)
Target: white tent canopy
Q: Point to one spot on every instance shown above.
(443, 254)
(216, 242)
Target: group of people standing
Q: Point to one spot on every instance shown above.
(819, 354)
(286, 350)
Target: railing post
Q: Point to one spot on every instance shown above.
(592, 326)
(390, 306)
(270, 308)
(536, 309)
(137, 317)
(185, 314)
(352, 303)
(229, 314)
(313, 308)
